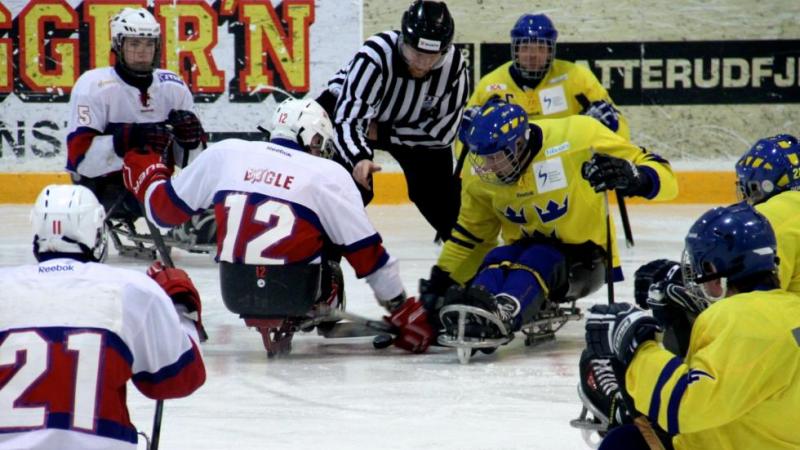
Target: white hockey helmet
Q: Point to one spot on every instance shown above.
(300, 120)
(134, 22)
(68, 219)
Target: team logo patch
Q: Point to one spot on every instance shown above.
(553, 210)
(167, 76)
(514, 216)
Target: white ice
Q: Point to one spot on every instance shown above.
(343, 394)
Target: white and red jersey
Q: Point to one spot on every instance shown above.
(100, 99)
(275, 204)
(71, 335)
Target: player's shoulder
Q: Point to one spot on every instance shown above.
(498, 79)
(96, 80)
(168, 79)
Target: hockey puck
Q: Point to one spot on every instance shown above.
(382, 341)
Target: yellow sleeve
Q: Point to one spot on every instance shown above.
(732, 365)
(474, 234)
(665, 184)
(783, 213)
(595, 91)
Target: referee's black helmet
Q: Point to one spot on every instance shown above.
(428, 26)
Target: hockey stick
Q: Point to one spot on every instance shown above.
(626, 223)
(623, 210)
(158, 241)
(640, 421)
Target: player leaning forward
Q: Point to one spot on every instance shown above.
(73, 332)
(281, 206)
(538, 187)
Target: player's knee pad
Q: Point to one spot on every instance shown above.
(269, 291)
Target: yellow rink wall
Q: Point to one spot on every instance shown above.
(390, 188)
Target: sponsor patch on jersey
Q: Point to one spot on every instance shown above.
(553, 100)
(429, 45)
(557, 149)
(558, 79)
(549, 175)
(168, 76)
(496, 87)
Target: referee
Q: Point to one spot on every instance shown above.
(404, 92)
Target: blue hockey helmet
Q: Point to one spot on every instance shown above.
(770, 167)
(533, 29)
(729, 243)
(496, 140)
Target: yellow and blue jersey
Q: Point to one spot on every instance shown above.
(551, 198)
(739, 385)
(783, 213)
(557, 95)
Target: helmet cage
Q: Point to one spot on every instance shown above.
(503, 166)
(536, 74)
(138, 23)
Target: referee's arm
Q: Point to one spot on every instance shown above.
(357, 106)
(440, 129)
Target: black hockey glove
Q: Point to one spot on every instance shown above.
(130, 136)
(675, 307)
(187, 128)
(431, 291)
(654, 272)
(606, 172)
(618, 330)
(605, 112)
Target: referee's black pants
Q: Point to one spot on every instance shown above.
(429, 177)
(431, 184)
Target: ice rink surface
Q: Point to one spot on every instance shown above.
(343, 394)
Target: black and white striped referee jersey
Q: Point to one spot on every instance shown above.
(376, 85)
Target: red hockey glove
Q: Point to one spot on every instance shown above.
(414, 331)
(187, 128)
(177, 284)
(140, 170)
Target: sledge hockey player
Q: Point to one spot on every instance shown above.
(116, 109)
(738, 384)
(540, 186)
(546, 87)
(768, 177)
(73, 332)
(282, 212)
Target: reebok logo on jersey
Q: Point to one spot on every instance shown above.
(56, 268)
